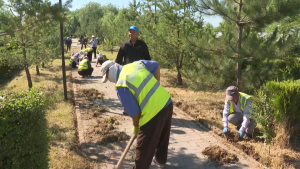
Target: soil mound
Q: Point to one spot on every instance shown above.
(219, 155)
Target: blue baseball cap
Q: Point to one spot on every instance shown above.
(135, 28)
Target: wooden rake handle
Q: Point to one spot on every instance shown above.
(125, 152)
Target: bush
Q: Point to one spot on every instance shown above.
(23, 131)
(277, 111)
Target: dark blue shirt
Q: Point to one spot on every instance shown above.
(127, 99)
(68, 41)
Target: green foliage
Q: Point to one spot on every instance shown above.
(23, 132)
(277, 111)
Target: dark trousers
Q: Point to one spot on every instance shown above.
(82, 45)
(74, 64)
(68, 47)
(95, 52)
(153, 139)
(89, 55)
(87, 72)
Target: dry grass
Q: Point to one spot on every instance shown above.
(207, 108)
(63, 150)
(109, 55)
(219, 155)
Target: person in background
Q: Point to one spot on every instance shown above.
(80, 39)
(85, 67)
(132, 50)
(74, 60)
(101, 59)
(94, 43)
(89, 53)
(68, 42)
(237, 110)
(147, 103)
(84, 42)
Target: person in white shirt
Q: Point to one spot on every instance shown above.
(237, 110)
(94, 43)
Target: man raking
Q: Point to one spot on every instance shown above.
(147, 103)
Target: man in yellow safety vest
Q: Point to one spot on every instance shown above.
(237, 110)
(147, 103)
(85, 67)
(89, 53)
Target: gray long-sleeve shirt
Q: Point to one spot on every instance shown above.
(237, 109)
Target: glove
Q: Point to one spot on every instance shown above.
(240, 133)
(135, 130)
(225, 130)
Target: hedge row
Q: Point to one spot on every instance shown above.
(277, 111)
(23, 131)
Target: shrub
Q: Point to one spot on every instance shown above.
(277, 111)
(23, 131)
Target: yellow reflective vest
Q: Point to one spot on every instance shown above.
(148, 92)
(83, 64)
(87, 50)
(243, 101)
(71, 60)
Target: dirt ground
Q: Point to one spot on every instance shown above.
(207, 108)
(103, 127)
(219, 155)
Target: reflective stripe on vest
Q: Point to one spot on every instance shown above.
(148, 92)
(71, 60)
(243, 101)
(83, 64)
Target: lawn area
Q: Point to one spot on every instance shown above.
(61, 121)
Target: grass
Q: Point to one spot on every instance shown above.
(207, 108)
(63, 150)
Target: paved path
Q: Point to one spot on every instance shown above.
(187, 140)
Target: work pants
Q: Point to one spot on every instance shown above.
(74, 64)
(89, 55)
(68, 47)
(95, 52)
(236, 119)
(153, 139)
(86, 72)
(82, 45)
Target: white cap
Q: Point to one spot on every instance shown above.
(93, 36)
(85, 53)
(104, 68)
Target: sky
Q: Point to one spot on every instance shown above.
(76, 4)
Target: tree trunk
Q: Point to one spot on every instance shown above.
(27, 70)
(155, 13)
(178, 65)
(43, 64)
(179, 78)
(239, 63)
(37, 70)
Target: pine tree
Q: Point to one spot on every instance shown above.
(26, 17)
(250, 18)
(166, 30)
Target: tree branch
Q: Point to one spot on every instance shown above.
(12, 12)
(236, 2)
(220, 11)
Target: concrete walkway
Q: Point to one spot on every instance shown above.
(187, 141)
